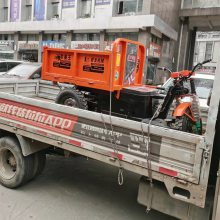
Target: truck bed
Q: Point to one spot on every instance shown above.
(175, 158)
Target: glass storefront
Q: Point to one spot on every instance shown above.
(28, 50)
(7, 56)
(86, 37)
(129, 35)
(6, 49)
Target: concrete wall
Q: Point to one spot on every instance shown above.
(104, 11)
(147, 6)
(1, 11)
(167, 10)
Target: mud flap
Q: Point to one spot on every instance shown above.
(29, 146)
(162, 202)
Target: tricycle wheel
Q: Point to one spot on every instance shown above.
(183, 123)
(72, 97)
(15, 169)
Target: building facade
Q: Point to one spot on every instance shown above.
(207, 47)
(28, 25)
(197, 17)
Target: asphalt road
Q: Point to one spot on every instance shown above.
(75, 189)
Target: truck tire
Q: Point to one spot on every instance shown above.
(39, 163)
(72, 97)
(15, 169)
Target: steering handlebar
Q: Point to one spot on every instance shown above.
(199, 65)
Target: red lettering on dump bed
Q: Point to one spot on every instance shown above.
(38, 117)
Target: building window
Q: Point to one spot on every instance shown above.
(86, 37)
(54, 37)
(5, 12)
(208, 51)
(86, 6)
(28, 37)
(28, 12)
(156, 40)
(6, 37)
(47, 37)
(113, 36)
(23, 37)
(62, 37)
(55, 9)
(130, 6)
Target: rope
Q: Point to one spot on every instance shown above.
(114, 145)
(120, 177)
(148, 157)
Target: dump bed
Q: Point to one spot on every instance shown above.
(173, 157)
(106, 70)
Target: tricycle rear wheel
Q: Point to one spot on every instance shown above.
(72, 97)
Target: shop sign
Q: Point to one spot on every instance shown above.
(85, 45)
(154, 50)
(6, 45)
(53, 44)
(39, 9)
(23, 45)
(207, 70)
(14, 10)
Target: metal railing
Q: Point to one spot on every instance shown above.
(187, 4)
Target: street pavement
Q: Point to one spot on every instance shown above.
(75, 189)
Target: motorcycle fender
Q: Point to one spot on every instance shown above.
(181, 109)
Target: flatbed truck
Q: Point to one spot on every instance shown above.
(179, 171)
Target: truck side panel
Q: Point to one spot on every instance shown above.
(174, 155)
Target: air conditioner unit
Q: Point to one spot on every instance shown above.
(28, 2)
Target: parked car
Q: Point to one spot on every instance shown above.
(6, 65)
(23, 71)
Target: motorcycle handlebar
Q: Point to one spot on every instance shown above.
(206, 61)
(161, 68)
(199, 65)
(164, 69)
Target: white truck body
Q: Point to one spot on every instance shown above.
(179, 161)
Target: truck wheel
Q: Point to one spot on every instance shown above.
(39, 163)
(72, 97)
(15, 169)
